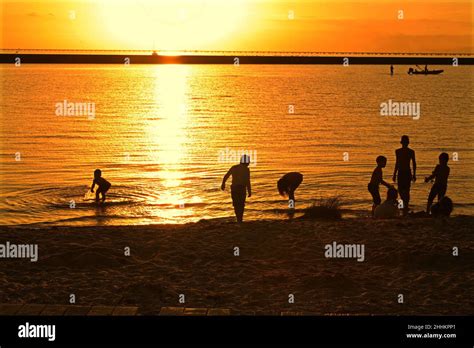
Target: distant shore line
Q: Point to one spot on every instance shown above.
(16, 58)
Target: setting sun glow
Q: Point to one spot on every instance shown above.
(238, 25)
(190, 24)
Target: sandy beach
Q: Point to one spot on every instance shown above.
(413, 257)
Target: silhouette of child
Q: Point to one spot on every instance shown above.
(404, 156)
(440, 174)
(288, 184)
(443, 208)
(389, 208)
(103, 184)
(240, 184)
(376, 180)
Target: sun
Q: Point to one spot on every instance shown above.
(173, 24)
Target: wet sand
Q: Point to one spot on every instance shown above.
(413, 257)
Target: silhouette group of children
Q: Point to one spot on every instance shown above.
(404, 175)
(287, 185)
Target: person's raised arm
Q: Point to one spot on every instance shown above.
(414, 166)
(429, 178)
(433, 175)
(225, 179)
(377, 176)
(384, 183)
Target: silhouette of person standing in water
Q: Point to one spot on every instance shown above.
(440, 175)
(404, 156)
(376, 180)
(391, 70)
(288, 184)
(240, 184)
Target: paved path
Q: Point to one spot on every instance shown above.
(71, 310)
(68, 310)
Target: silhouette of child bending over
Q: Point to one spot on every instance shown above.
(103, 184)
(288, 184)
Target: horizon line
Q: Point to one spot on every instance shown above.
(242, 52)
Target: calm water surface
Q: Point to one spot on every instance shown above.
(164, 136)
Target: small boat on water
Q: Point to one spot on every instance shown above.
(412, 71)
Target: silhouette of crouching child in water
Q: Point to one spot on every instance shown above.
(389, 208)
(443, 208)
(240, 184)
(288, 184)
(103, 184)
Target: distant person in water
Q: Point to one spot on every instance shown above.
(287, 186)
(240, 185)
(376, 180)
(391, 69)
(103, 184)
(440, 175)
(389, 208)
(443, 208)
(404, 157)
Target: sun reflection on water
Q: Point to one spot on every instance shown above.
(167, 134)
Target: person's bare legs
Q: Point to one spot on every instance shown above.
(405, 196)
(291, 196)
(239, 213)
(431, 197)
(406, 203)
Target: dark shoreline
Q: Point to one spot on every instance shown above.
(413, 257)
(224, 59)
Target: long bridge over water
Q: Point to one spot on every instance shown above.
(88, 56)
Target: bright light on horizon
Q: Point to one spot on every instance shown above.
(172, 26)
(239, 25)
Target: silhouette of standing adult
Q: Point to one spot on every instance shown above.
(240, 184)
(404, 156)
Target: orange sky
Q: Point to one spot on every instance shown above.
(266, 25)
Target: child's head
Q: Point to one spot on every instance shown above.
(443, 158)
(381, 161)
(443, 208)
(282, 187)
(245, 160)
(392, 194)
(97, 173)
(405, 140)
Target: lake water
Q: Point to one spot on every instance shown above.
(164, 136)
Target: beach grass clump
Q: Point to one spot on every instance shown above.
(324, 209)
